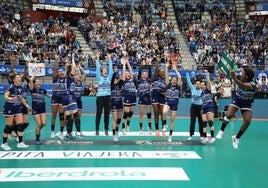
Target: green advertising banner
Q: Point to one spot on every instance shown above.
(226, 64)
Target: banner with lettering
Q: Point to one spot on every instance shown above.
(37, 69)
(226, 64)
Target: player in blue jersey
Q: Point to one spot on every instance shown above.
(158, 98)
(116, 102)
(103, 101)
(174, 84)
(58, 90)
(243, 99)
(144, 94)
(39, 106)
(207, 110)
(129, 89)
(12, 111)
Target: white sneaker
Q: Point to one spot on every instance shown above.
(124, 131)
(79, 134)
(127, 128)
(204, 139)
(190, 138)
(17, 139)
(10, 137)
(115, 138)
(5, 147)
(164, 128)
(169, 138)
(211, 140)
(220, 134)
(52, 134)
(22, 145)
(61, 136)
(141, 130)
(235, 142)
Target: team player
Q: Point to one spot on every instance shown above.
(12, 111)
(39, 106)
(172, 97)
(129, 90)
(116, 102)
(103, 101)
(144, 94)
(58, 90)
(207, 110)
(158, 98)
(243, 99)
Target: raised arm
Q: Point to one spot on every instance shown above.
(178, 76)
(167, 73)
(98, 73)
(208, 80)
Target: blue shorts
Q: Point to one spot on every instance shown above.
(207, 110)
(130, 100)
(70, 107)
(56, 99)
(145, 100)
(39, 111)
(242, 104)
(158, 99)
(11, 109)
(172, 106)
(116, 107)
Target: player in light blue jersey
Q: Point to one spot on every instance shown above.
(103, 101)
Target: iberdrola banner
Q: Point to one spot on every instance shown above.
(226, 64)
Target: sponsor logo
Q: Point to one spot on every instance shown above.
(23, 155)
(90, 174)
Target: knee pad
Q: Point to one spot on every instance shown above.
(25, 125)
(20, 127)
(210, 123)
(130, 114)
(118, 121)
(149, 115)
(205, 124)
(125, 115)
(61, 116)
(8, 129)
(226, 119)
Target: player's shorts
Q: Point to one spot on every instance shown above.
(130, 100)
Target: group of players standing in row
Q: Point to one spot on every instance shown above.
(117, 92)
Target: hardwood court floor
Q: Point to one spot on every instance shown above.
(138, 161)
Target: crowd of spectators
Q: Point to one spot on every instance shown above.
(245, 39)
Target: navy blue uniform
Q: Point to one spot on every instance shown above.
(59, 87)
(143, 92)
(38, 101)
(208, 104)
(129, 92)
(172, 96)
(159, 88)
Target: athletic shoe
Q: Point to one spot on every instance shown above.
(190, 138)
(211, 140)
(124, 131)
(79, 134)
(220, 134)
(5, 147)
(115, 138)
(17, 139)
(157, 133)
(204, 139)
(52, 135)
(169, 138)
(69, 137)
(106, 132)
(127, 128)
(235, 142)
(22, 145)
(97, 133)
(61, 135)
(37, 142)
(149, 131)
(141, 130)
